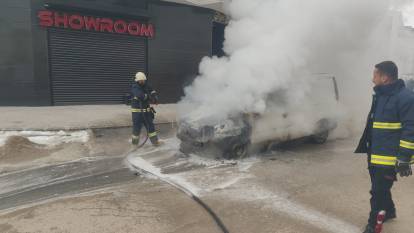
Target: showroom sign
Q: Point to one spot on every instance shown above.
(56, 19)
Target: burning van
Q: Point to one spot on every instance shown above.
(243, 133)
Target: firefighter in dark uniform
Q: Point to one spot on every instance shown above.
(142, 95)
(388, 140)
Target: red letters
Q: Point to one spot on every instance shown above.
(59, 20)
(49, 18)
(147, 30)
(134, 29)
(92, 23)
(120, 26)
(45, 18)
(76, 22)
(107, 25)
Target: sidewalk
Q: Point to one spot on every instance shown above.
(76, 117)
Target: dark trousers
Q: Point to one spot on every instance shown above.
(139, 121)
(382, 179)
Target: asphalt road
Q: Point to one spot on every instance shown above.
(300, 188)
(44, 183)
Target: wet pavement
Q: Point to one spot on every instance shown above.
(299, 188)
(44, 183)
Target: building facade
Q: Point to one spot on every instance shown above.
(57, 52)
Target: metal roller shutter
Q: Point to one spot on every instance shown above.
(93, 68)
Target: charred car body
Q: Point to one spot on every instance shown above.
(238, 135)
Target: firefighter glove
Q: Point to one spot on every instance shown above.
(403, 168)
(154, 97)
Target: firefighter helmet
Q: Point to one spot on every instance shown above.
(140, 77)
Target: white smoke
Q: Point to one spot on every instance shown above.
(275, 46)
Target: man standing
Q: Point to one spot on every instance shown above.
(142, 113)
(388, 140)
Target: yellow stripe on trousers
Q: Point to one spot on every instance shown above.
(383, 160)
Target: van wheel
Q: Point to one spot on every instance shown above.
(238, 151)
(319, 138)
(186, 148)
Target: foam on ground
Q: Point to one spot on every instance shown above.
(280, 203)
(138, 163)
(49, 138)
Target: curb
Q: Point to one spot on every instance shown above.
(173, 124)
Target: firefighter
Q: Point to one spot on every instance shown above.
(142, 113)
(388, 140)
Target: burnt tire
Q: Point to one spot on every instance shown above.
(237, 151)
(319, 138)
(186, 148)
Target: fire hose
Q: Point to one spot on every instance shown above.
(179, 187)
(187, 192)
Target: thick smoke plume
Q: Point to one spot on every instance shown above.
(277, 46)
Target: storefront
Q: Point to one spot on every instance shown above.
(87, 52)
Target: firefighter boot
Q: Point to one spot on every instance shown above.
(154, 138)
(135, 140)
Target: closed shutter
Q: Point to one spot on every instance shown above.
(92, 67)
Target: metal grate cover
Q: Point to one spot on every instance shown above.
(93, 68)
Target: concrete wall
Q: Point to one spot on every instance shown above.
(17, 83)
(183, 38)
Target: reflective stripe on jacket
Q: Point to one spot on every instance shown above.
(389, 132)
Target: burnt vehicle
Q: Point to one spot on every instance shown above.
(229, 139)
(239, 135)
